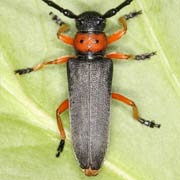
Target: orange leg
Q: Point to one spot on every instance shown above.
(135, 110)
(63, 28)
(66, 39)
(117, 35)
(64, 106)
(115, 55)
(128, 102)
(60, 60)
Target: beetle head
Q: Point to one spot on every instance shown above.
(90, 21)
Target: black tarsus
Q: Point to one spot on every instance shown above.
(113, 11)
(132, 14)
(150, 124)
(56, 19)
(144, 56)
(66, 12)
(23, 71)
(60, 147)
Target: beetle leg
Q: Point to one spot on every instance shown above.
(63, 28)
(121, 56)
(59, 111)
(66, 39)
(136, 115)
(117, 35)
(115, 55)
(60, 60)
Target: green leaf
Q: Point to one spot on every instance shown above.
(28, 132)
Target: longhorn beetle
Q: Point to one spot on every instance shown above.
(89, 74)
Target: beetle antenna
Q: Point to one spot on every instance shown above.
(66, 12)
(113, 11)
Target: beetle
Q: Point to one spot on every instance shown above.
(89, 74)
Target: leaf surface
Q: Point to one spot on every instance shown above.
(28, 132)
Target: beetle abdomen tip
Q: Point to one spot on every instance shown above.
(90, 172)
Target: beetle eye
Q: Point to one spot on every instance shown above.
(98, 22)
(81, 22)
